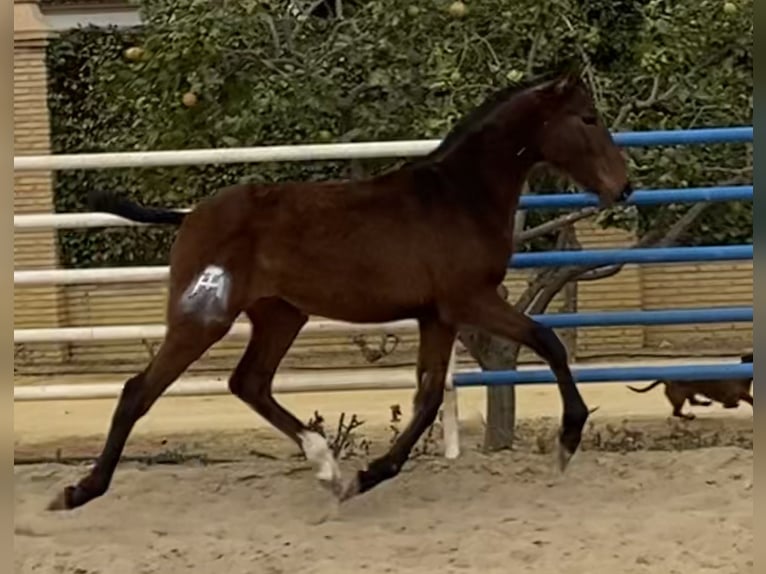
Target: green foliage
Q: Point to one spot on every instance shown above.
(389, 69)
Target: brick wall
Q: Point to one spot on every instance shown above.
(698, 285)
(621, 292)
(33, 306)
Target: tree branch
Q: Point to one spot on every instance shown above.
(603, 273)
(533, 53)
(272, 31)
(555, 224)
(652, 95)
(657, 238)
(567, 237)
(654, 98)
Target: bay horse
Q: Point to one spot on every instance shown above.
(430, 240)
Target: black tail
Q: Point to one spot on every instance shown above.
(645, 389)
(106, 202)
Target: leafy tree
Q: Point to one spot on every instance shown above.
(201, 74)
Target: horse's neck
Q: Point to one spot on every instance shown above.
(490, 172)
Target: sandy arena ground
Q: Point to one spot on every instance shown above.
(646, 495)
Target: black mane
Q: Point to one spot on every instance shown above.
(469, 123)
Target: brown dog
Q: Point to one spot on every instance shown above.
(726, 391)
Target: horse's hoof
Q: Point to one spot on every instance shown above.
(564, 456)
(61, 501)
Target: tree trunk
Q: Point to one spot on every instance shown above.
(494, 354)
(569, 336)
(501, 415)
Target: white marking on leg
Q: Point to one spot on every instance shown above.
(318, 452)
(208, 295)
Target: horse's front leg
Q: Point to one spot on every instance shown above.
(436, 340)
(487, 310)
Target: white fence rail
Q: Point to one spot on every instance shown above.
(356, 380)
(335, 151)
(72, 220)
(91, 276)
(293, 382)
(238, 330)
(144, 159)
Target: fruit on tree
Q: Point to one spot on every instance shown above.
(134, 53)
(189, 99)
(457, 9)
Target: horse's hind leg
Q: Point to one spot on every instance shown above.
(276, 324)
(436, 341)
(490, 312)
(184, 343)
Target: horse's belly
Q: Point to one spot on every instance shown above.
(361, 294)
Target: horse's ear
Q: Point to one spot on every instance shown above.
(565, 83)
(569, 72)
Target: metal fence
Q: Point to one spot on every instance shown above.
(363, 380)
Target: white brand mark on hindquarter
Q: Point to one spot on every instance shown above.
(316, 450)
(209, 294)
(213, 278)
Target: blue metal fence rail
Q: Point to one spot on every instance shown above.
(641, 197)
(655, 317)
(741, 134)
(599, 257)
(706, 372)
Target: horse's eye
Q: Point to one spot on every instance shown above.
(590, 120)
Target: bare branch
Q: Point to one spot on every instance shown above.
(587, 64)
(555, 224)
(683, 223)
(567, 237)
(652, 95)
(555, 280)
(602, 273)
(533, 53)
(534, 286)
(659, 237)
(621, 115)
(654, 98)
(564, 238)
(273, 31)
(304, 16)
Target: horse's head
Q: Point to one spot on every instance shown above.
(573, 138)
